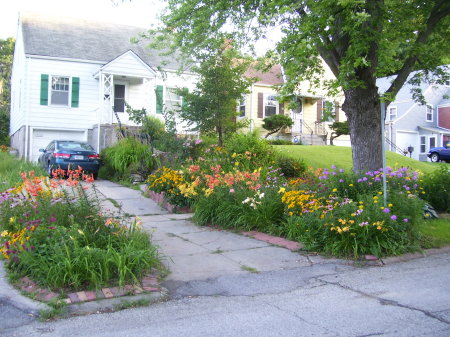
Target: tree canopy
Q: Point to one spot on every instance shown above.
(211, 107)
(276, 123)
(359, 40)
(6, 56)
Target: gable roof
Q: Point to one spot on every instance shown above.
(273, 76)
(86, 40)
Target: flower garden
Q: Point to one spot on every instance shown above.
(245, 185)
(54, 231)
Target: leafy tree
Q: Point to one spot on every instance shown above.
(275, 123)
(211, 107)
(339, 129)
(6, 55)
(359, 40)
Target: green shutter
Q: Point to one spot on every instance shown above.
(159, 99)
(75, 91)
(44, 89)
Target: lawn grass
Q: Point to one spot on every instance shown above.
(341, 157)
(436, 231)
(10, 167)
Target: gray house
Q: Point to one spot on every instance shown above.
(411, 124)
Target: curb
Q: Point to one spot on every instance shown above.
(413, 256)
(78, 303)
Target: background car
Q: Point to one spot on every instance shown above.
(440, 153)
(68, 153)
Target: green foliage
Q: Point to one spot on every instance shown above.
(435, 232)
(10, 167)
(6, 56)
(58, 237)
(127, 156)
(282, 142)
(211, 107)
(359, 41)
(339, 129)
(437, 189)
(290, 167)
(276, 123)
(241, 209)
(240, 143)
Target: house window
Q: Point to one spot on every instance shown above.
(59, 90)
(392, 113)
(172, 101)
(429, 114)
(119, 98)
(241, 107)
(270, 105)
(423, 144)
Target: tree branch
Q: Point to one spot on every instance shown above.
(439, 11)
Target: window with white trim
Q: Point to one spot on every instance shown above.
(172, 101)
(59, 90)
(270, 105)
(241, 107)
(423, 144)
(328, 111)
(429, 113)
(392, 112)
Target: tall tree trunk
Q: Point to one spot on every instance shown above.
(362, 107)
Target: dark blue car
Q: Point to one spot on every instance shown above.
(67, 153)
(442, 153)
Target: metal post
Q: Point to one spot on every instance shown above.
(383, 151)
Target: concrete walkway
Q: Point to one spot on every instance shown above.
(198, 253)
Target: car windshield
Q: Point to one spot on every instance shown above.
(74, 146)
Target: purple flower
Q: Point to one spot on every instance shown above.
(333, 167)
(405, 220)
(52, 219)
(386, 210)
(341, 170)
(198, 141)
(394, 217)
(341, 180)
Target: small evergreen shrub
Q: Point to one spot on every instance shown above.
(437, 188)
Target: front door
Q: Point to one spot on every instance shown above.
(119, 98)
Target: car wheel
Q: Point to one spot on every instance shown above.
(49, 169)
(434, 157)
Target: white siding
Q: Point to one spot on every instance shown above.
(128, 64)
(56, 116)
(17, 82)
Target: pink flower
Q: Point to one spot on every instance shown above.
(231, 190)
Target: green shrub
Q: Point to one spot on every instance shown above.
(437, 189)
(126, 154)
(290, 167)
(57, 236)
(346, 228)
(281, 142)
(240, 143)
(240, 208)
(10, 167)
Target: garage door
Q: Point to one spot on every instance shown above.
(405, 139)
(41, 138)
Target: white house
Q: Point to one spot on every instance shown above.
(72, 77)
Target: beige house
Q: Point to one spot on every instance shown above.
(309, 126)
